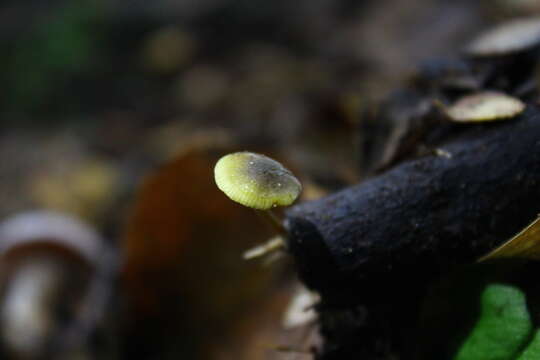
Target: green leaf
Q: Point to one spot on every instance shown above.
(503, 328)
(532, 352)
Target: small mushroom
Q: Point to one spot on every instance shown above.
(258, 182)
(484, 106)
(508, 38)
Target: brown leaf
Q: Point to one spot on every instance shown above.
(184, 275)
(525, 245)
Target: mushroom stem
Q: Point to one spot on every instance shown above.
(274, 244)
(274, 221)
(28, 322)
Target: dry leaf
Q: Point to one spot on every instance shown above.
(85, 189)
(168, 49)
(184, 275)
(525, 245)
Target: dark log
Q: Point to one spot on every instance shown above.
(370, 250)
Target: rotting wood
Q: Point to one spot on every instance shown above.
(372, 249)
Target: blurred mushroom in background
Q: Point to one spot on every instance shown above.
(54, 281)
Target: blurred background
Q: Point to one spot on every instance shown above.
(112, 116)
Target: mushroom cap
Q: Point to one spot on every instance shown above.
(485, 106)
(42, 227)
(510, 37)
(256, 181)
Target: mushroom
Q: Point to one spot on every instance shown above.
(484, 106)
(508, 38)
(52, 284)
(261, 183)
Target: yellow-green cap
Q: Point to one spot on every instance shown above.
(485, 106)
(256, 181)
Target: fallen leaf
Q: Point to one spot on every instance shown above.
(525, 245)
(184, 276)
